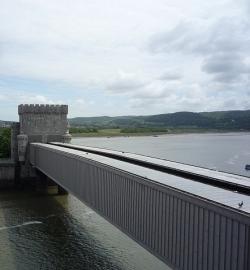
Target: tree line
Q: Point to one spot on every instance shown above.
(5, 142)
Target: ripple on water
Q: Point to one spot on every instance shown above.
(62, 233)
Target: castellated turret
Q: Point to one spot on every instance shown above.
(42, 108)
(41, 123)
(38, 121)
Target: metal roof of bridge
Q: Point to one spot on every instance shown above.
(208, 192)
(181, 167)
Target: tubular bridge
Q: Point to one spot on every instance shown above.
(191, 218)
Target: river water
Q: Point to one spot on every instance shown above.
(60, 232)
(228, 152)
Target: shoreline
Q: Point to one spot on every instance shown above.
(154, 134)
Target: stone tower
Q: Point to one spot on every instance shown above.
(40, 123)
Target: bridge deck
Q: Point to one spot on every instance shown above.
(217, 195)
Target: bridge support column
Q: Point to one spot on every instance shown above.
(62, 191)
(45, 185)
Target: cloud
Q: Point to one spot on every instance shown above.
(124, 83)
(173, 55)
(203, 36)
(2, 97)
(226, 67)
(170, 76)
(81, 101)
(195, 102)
(36, 99)
(78, 44)
(247, 3)
(183, 38)
(222, 46)
(224, 63)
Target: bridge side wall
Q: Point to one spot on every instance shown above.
(183, 230)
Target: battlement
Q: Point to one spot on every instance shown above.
(42, 109)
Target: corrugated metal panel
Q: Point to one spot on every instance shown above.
(218, 195)
(184, 231)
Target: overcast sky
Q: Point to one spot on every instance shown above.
(125, 57)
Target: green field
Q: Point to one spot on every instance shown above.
(113, 132)
(116, 132)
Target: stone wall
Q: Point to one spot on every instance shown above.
(43, 122)
(15, 130)
(39, 123)
(7, 173)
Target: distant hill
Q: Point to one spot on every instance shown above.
(224, 120)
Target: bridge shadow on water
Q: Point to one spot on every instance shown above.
(59, 232)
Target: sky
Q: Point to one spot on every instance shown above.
(125, 57)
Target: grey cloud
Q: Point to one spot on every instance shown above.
(183, 38)
(203, 37)
(226, 77)
(160, 91)
(229, 35)
(224, 45)
(170, 103)
(236, 103)
(225, 67)
(124, 84)
(170, 76)
(175, 102)
(151, 94)
(247, 3)
(230, 103)
(224, 63)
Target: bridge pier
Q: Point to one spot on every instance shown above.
(62, 191)
(45, 185)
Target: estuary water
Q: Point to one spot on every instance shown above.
(228, 152)
(60, 232)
